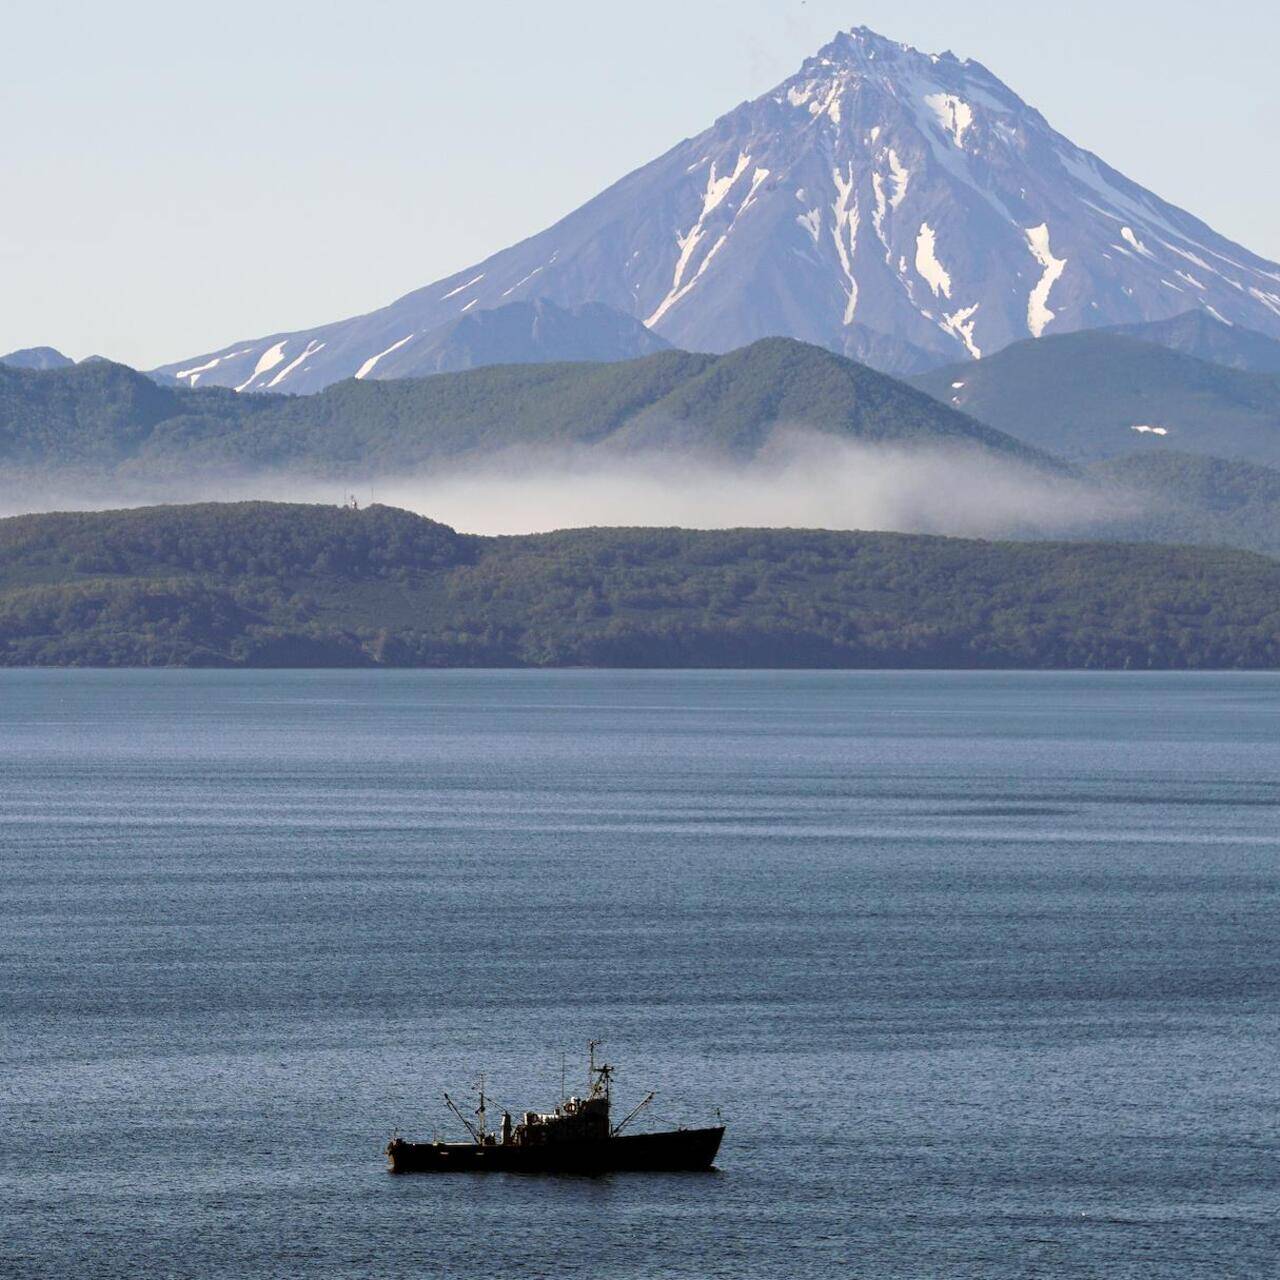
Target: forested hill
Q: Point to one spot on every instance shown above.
(1096, 395)
(281, 585)
(101, 417)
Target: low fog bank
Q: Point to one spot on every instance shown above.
(800, 480)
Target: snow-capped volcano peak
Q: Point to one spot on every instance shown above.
(862, 58)
(863, 52)
(901, 207)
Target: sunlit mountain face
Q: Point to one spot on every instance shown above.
(903, 208)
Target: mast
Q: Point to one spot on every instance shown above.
(480, 1115)
(597, 1077)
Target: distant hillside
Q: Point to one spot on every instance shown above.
(1089, 396)
(1194, 499)
(93, 414)
(37, 358)
(1197, 333)
(274, 585)
(105, 416)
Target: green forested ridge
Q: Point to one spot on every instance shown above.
(105, 416)
(226, 540)
(275, 584)
(71, 435)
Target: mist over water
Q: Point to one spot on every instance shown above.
(799, 479)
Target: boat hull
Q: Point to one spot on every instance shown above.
(680, 1151)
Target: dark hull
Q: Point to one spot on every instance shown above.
(681, 1151)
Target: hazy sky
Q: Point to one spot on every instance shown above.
(176, 177)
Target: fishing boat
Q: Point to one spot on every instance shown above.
(577, 1137)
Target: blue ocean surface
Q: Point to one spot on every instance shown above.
(982, 970)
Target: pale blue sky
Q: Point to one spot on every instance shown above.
(180, 176)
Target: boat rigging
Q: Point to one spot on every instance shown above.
(577, 1137)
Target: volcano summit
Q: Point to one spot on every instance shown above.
(898, 207)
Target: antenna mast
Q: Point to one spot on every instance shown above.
(598, 1077)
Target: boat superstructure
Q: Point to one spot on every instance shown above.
(577, 1137)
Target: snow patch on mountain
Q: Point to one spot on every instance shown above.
(929, 268)
(961, 325)
(1039, 317)
(462, 288)
(954, 115)
(1127, 235)
(371, 363)
(758, 179)
(718, 188)
(311, 349)
(524, 280)
(812, 223)
(901, 177)
(269, 359)
(1269, 300)
(845, 233)
(192, 376)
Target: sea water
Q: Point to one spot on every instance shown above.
(981, 970)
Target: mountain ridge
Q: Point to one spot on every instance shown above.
(40, 358)
(1196, 333)
(726, 404)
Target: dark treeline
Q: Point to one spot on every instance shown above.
(274, 584)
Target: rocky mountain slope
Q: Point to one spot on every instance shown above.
(895, 206)
(537, 332)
